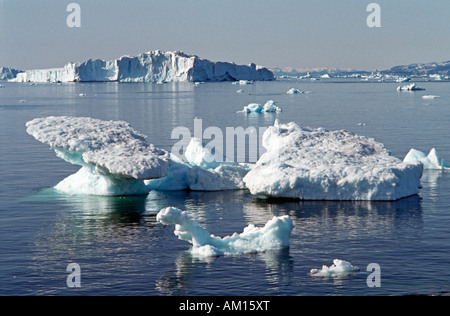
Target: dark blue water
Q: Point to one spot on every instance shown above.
(122, 250)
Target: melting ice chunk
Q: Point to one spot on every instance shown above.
(269, 106)
(431, 161)
(339, 269)
(115, 158)
(315, 164)
(274, 235)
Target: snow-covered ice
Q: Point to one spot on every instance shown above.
(115, 158)
(431, 161)
(339, 269)
(316, 164)
(274, 235)
(153, 66)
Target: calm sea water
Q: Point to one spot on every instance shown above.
(122, 250)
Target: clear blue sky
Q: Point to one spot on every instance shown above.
(273, 33)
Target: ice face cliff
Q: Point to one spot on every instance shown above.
(154, 66)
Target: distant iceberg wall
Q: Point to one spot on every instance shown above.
(154, 66)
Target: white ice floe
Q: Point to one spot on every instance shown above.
(409, 87)
(274, 235)
(315, 164)
(430, 97)
(153, 66)
(115, 158)
(430, 161)
(269, 106)
(339, 269)
(201, 172)
(294, 91)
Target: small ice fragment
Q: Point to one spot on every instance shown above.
(339, 269)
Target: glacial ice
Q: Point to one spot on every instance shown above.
(431, 161)
(339, 269)
(201, 172)
(274, 235)
(153, 66)
(269, 106)
(315, 164)
(115, 159)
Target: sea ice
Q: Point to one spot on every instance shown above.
(430, 161)
(315, 164)
(115, 158)
(430, 97)
(274, 235)
(339, 269)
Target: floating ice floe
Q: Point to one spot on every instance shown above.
(201, 172)
(315, 164)
(294, 91)
(430, 97)
(430, 161)
(114, 158)
(274, 235)
(269, 106)
(409, 87)
(339, 269)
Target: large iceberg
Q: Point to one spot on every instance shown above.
(431, 161)
(201, 172)
(153, 66)
(274, 235)
(315, 164)
(114, 158)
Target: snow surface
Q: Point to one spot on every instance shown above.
(153, 66)
(339, 269)
(431, 161)
(115, 158)
(274, 235)
(315, 164)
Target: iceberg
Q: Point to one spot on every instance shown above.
(316, 164)
(294, 91)
(201, 172)
(153, 66)
(269, 106)
(114, 158)
(339, 269)
(7, 73)
(274, 235)
(431, 161)
(409, 87)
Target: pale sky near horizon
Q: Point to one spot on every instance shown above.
(273, 33)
